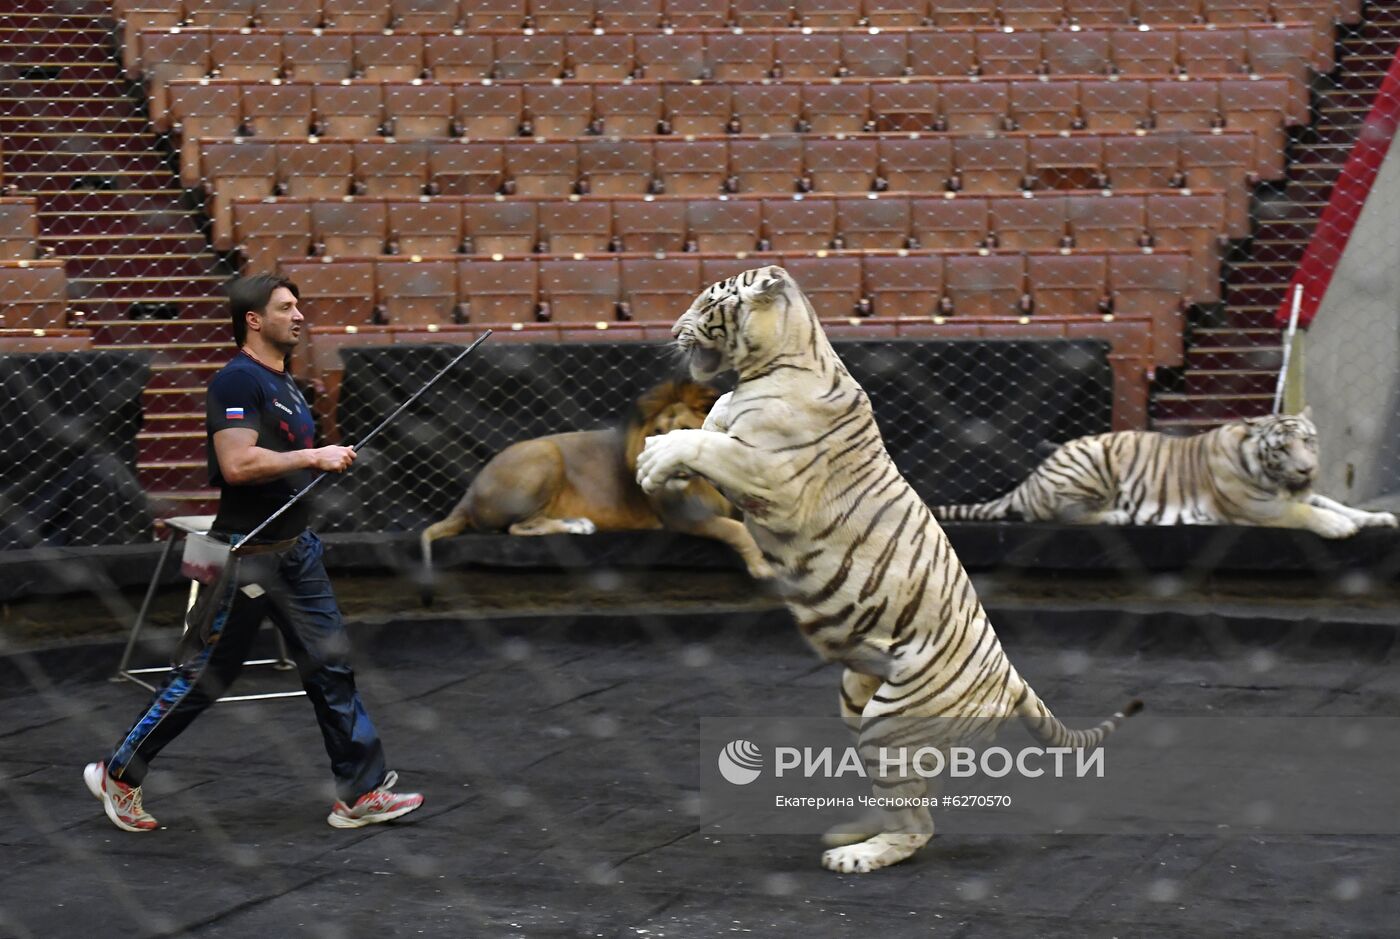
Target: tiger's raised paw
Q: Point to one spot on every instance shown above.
(873, 853)
(665, 457)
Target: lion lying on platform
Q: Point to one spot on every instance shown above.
(586, 481)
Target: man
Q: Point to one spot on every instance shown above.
(260, 435)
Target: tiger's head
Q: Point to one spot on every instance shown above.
(743, 322)
(1286, 448)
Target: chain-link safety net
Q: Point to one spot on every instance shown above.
(1020, 222)
(1146, 176)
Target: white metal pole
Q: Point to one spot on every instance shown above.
(1288, 345)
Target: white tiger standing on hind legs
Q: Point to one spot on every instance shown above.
(866, 571)
(1256, 471)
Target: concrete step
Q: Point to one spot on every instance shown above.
(147, 266)
(1230, 381)
(62, 89)
(173, 474)
(16, 35)
(24, 159)
(1218, 407)
(1286, 229)
(122, 332)
(1261, 273)
(177, 352)
(1244, 298)
(170, 446)
(1330, 133)
(137, 288)
(173, 401)
(177, 422)
(31, 71)
(101, 180)
(1191, 425)
(1234, 338)
(1283, 250)
(182, 374)
(94, 9)
(120, 308)
(1223, 358)
(100, 213)
(71, 246)
(117, 145)
(71, 124)
(85, 107)
(1328, 154)
(125, 202)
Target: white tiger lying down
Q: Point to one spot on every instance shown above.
(1257, 471)
(866, 571)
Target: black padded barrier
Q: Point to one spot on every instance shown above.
(961, 418)
(68, 426)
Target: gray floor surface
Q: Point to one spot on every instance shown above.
(548, 749)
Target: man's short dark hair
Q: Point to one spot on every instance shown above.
(251, 294)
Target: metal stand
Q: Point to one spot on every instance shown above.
(179, 527)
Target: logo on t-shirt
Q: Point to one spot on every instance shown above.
(281, 406)
(233, 414)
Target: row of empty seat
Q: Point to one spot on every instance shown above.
(428, 110)
(580, 169)
(266, 231)
(33, 294)
(1288, 49)
(632, 15)
(19, 229)
(247, 168)
(588, 291)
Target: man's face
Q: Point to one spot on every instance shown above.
(280, 323)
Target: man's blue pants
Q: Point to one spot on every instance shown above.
(292, 589)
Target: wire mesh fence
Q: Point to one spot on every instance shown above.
(1147, 175)
(1020, 221)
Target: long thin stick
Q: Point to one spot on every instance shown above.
(1288, 345)
(368, 437)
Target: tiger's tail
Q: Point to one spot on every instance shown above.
(1048, 729)
(978, 511)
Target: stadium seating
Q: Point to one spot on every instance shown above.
(725, 56)
(735, 165)
(602, 291)
(1069, 101)
(1174, 220)
(576, 169)
(19, 229)
(33, 295)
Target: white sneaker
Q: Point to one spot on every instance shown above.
(377, 805)
(122, 802)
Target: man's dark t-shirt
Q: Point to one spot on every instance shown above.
(247, 394)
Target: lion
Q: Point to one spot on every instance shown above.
(586, 481)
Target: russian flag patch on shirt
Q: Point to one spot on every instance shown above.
(233, 414)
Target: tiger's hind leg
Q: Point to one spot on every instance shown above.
(856, 691)
(904, 823)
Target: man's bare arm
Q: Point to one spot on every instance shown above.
(243, 463)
